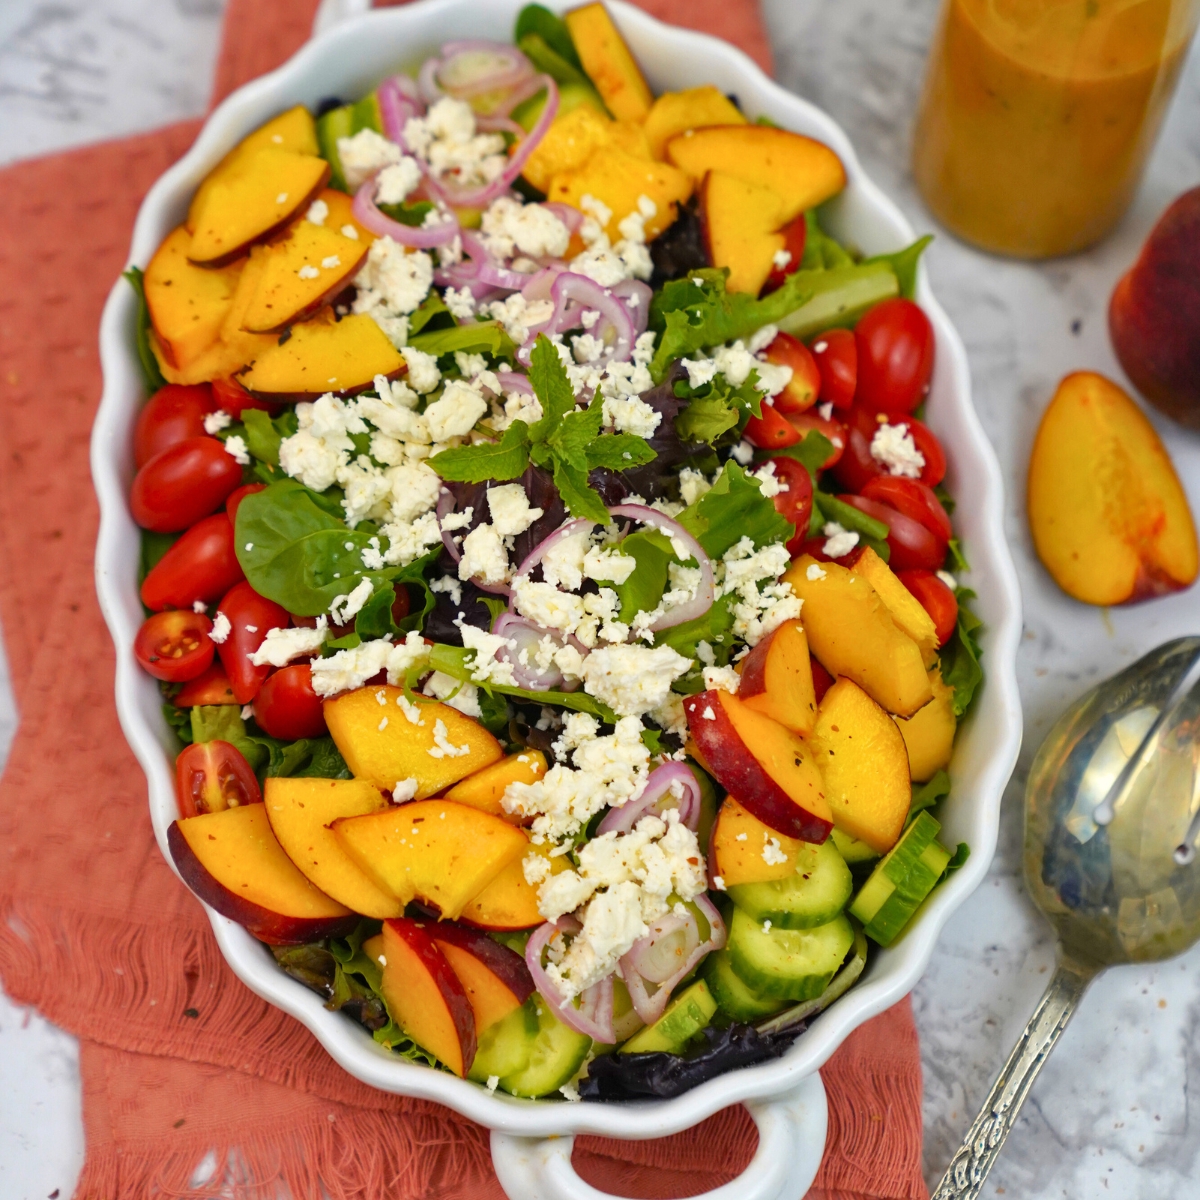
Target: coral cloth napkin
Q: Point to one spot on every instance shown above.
(191, 1084)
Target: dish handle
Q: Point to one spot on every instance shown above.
(791, 1140)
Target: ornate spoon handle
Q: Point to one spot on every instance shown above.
(981, 1147)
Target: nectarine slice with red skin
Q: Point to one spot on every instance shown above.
(740, 220)
(865, 766)
(233, 862)
(777, 679)
(432, 850)
(767, 767)
(485, 788)
(425, 996)
(495, 978)
(674, 113)
(510, 901)
(735, 848)
(1109, 518)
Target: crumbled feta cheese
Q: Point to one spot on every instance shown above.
(198, 606)
(761, 338)
(772, 852)
(351, 668)
(948, 579)
(485, 666)
(455, 693)
(281, 646)
(518, 315)
(724, 679)
(448, 586)
(631, 414)
(815, 571)
(780, 259)
(364, 154)
(632, 680)
(692, 485)
(318, 211)
(768, 483)
(235, 447)
(718, 883)
(445, 139)
(308, 271)
(350, 231)
(894, 449)
(484, 557)
(763, 601)
(743, 453)
(221, 628)
(461, 303)
(570, 1092)
(455, 413)
(330, 261)
(392, 279)
(410, 540)
(492, 1082)
(214, 422)
(423, 373)
(825, 411)
(510, 509)
(509, 227)
(405, 789)
(345, 608)
(442, 746)
(394, 183)
(838, 541)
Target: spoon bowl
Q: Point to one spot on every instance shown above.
(1112, 818)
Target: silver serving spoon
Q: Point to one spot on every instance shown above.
(1112, 817)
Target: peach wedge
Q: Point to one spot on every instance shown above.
(1109, 517)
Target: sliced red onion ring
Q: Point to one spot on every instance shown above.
(702, 601)
(650, 1005)
(527, 636)
(594, 1016)
(568, 214)
(445, 506)
(656, 957)
(639, 313)
(514, 381)
(399, 100)
(417, 237)
(539, 551)
(464, 69)
(656, 797)
(572, 294)
(540, 284)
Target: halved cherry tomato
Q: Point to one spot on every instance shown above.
(836, 355)
(795, 504)
(402, 605)
(895, 356)
(202, 565)
(912, 498)
(801, 390)
(936, 598)
(183, 483)
(213, 776)
(174, 412)
(250, 616)
(911, 544)
(771, 431)
(238, 495)
(209, 687)
(287, 707)
(174, 646)
(229, 395)
(795, 234)
(833, 429)
(858, 465)
(822, 680)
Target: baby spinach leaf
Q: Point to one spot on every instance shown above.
(151, 371)
(264, 435)
(538, 20)
(732, 509)
(959, 657)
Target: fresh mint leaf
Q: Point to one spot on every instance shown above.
(475, 337)
(569, 439)
(550, 384)
(619, 452)
(151, 371)
(734, 508)
(959, 657)
(580, 499)
(505, 459)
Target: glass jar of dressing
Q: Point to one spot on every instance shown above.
(1038, 115)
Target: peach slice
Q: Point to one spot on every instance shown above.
(572, 139)
(322, 355)
(510, 901)
(484, 789)
(674, 113)
(431, 850)
(232, 861)
(1109, 518)
(301, 811)
(341, 214)
(865, 766)
(907, 611)
(852, 633)
(735, 848)
(293, 130)
(777, 679)
(225, 357)
(495, 978)
(803, 171)
(187, 304)
(740, 220)
(929, 733)
(380, 743)
(767, 767)
(254, 200)
(304, 268)
(608, 62)
(425, 996)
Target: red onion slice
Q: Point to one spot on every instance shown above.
(445, 506)
(399, 100)
(572, 295)
(568, 214)
(527, 636)
(672, 940)
(656, 797)
(594, 1016)
(456, 75)
(639, 311)
(417, 237)
(514, 381)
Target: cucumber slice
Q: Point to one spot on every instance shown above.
(793, 964)
(851, 849)
(682, 1019)
(345, 122)
(901, 881)
(838, 986)
(815, 894)
(555, 1056)
(570, 96)
(733, 997)
(505, 1045)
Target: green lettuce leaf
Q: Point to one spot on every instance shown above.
(644, 588)
(475, 337)
(821, 252)
(307, 757)
(716, 407)
(959, 657)
(903, 264)
(812, 450)
(732, 509)
(928, 794)
(151, 371)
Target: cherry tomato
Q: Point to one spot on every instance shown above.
(836, 354)
(250, 616)
(174, 646)
(229, 395)
(202, 565)
(822, 680)
(911, 544)
(213, 776)
(795, 234)
(209, 687)
(795, 504)
(402, 605)
(771, 431)
(912, 498)
(183, 483)
(174, 412)
(801, 391)
(238, 495)
(287, 707)
(833, 429)
(895, 356)
(858, 465)
(936, 598)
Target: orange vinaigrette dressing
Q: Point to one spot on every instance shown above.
(1038, 115)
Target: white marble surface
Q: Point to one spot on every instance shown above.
(1110, 1113)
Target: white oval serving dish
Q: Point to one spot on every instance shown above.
(784, 1095)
